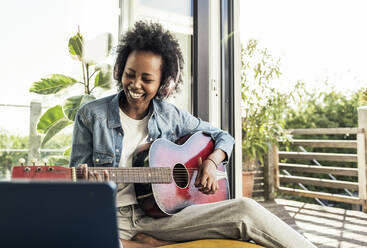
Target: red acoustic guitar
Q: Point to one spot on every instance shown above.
(163, 174)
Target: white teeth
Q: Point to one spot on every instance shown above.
(135, 95)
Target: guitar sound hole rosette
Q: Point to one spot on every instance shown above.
(180, 176)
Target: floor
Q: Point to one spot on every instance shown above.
(326, 227)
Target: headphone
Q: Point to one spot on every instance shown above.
(169, 85)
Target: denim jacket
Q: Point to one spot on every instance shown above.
(98, 135)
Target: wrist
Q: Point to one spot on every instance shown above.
(212, 162)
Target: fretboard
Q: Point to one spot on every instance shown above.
(134, 175)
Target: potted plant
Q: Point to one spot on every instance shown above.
(262, 106)
(94, 74)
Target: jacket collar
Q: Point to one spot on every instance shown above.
(113, 111)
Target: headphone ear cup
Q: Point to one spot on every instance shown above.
(167, 88)
(170, 87)
(170, 83)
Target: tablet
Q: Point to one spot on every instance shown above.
(58, 214)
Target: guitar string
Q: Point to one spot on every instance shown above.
(140, 171)
(137, 172)
(183, 173)
(137, 169)
(130, 171)
(179, 176)
(177, 173)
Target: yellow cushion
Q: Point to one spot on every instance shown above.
(213, 243)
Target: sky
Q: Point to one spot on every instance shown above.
(316, 40)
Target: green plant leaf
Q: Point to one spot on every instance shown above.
(49, 118)
(58, 160)
(76, 47)
(55, 128)
(103, 79)
(67, 151)
(52, 84)
(72, 104)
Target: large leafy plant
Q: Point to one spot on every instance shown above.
(94, 75)
(262, 105)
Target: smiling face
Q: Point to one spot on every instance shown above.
(140, 81)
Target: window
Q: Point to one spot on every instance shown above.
(34, 44)
(176, 16)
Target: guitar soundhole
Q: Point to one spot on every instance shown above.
(180, 175)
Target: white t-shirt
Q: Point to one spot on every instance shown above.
(135, 134)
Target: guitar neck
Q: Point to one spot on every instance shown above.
(133, 175)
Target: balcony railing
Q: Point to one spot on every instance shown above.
(34, 140)
(277, 174)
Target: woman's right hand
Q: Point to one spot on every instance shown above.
(93, 176)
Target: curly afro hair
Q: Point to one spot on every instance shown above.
(148, 36)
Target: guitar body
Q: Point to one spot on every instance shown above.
(159, 200)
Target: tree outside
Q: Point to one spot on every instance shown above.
(267, 113)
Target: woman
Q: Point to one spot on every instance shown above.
(107, 132)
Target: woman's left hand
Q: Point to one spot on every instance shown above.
(206, 179)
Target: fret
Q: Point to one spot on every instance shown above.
(126, 175)
(136, 177)
(161, 174)
(114, 176)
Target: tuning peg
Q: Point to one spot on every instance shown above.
(21, 161)
(45, 161)
(33, 161)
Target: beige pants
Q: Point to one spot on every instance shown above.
(240, 219)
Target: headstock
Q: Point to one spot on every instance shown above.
(41, 172)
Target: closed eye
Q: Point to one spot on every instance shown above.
(147, 80)
(128, 75)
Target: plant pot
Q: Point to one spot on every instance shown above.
(247, 183)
